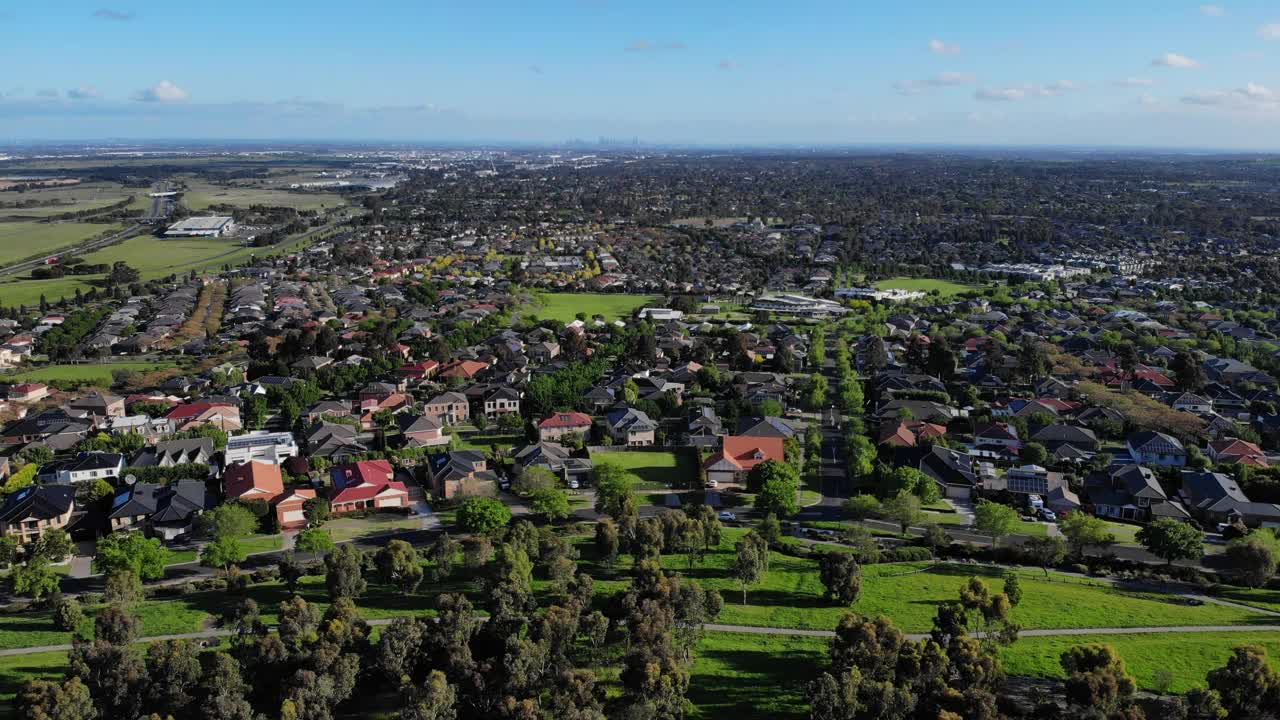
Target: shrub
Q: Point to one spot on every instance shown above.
(67, 614)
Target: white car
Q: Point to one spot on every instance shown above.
(711, 484)
(726, 515)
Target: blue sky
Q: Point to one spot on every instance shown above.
(799, 72)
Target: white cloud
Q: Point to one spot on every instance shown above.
(942, 79)
(162, 92)
(1213, 10)
(84, 92)
(1270, 31)
(114, 15)
(1000, 94)
(729, 65)
(1030, 90)
(1252, 96)
(1135, 82)
(655, 46)
(1174, 60)
(938, 47)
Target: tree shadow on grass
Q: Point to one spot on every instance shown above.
(763, 682)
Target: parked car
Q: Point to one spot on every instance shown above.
(573, 484)
(1048, 515)
(713, 484)
(726, 515)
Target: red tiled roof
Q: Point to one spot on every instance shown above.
(566, 419)
(191, 410)
(746, 452)
(240, 478)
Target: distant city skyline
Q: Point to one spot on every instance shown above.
(809, 72)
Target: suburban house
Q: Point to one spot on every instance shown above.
(366, 484)
(253, 480)
(1156, 448)
(765, 427)
(1055, 437)
(704, 427)
(628, 426)
(167, 453)
(952, 470)
(151, 429)
(272, 447)
(28, 392)
(450, 408)
(191, 416)
(27, 513)
(1232, 450)
(461, 473)
(1131, 492)
(555, 458)
(98, 405)
(738, 454)
(500, 400)
(421, 430)
(1001, 435)
(84, 467)
(164, 511)
(557, 426)
(290, 507)
(333, 441)
(1216, 498)
(910, 434)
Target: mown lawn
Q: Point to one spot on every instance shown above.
(791, 595)
(1187, 656)
(944, 287)
(611, 306)
(20, 240)
(158, 617)
(655, 470)
(754, 677)
(97, 374)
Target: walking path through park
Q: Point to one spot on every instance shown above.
(752, 629)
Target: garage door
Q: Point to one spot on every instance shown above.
(293, 516)
(393, 502)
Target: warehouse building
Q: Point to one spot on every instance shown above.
(202, 227)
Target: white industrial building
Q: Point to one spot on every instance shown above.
(202, 227)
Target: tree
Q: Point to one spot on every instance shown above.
(778, 497)
(483, 515)
(343, 575)
(316, 510)
(1247, 685)
(8, 549)
(749, 565)
(614, 491)
(1253, 557)
(145, 557)
(1188, 375)
(862, 456)
(861, 507)
(1097, 679)
(1034, 453)
(54, 545)
(903, 509)
(67, 614)
(291, 569)
(398, 565)
(768, 470)
(443, 554)
(34, 578)
(223, 552)
(841, 577)
(173, 667)
(607, 541)
(123, 588)
(1083, 531)
(532, 479)
(994, 519)
(229, 520)
(1045, 551)
(551, 503)
(1171, 540)
(50, 700)
(313, 540)
(435, 699)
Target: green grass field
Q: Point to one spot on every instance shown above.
(94, 374)
(1188, 656)
(655, 470)
(203, 195)
(20, 240)
(944, 287)
(754, 677)
(566, 306)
